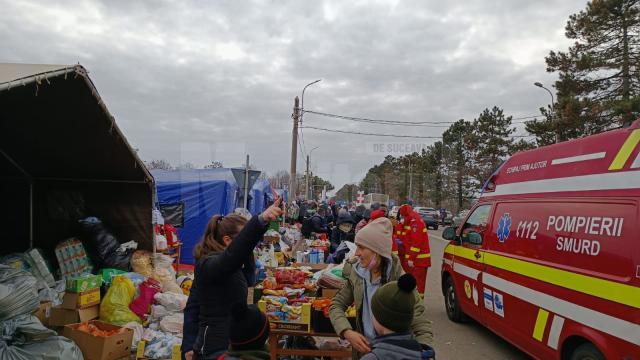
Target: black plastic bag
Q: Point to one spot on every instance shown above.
(104, 246)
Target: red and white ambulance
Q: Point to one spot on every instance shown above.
(549, 258)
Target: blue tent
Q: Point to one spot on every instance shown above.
(283, 193)
(261, 194)
(199, 194)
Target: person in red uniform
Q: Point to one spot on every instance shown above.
(415, 239)
(397, 247)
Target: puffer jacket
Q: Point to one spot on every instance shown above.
(314, 224)
(353, 292)
(398, 347)
(222, 280)
(338, 236)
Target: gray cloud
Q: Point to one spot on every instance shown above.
(199, 80)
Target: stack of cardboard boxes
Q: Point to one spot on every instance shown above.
(81, 304)
(81, 301)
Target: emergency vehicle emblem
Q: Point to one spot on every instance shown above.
(504, 227)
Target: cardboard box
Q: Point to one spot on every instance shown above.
(61, 317)
(328, 293)
(314, 267)
(84, 283)
(101, 348)
(302, 323)
(81, 300)
(43, 312)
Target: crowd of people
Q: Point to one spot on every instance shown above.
(340, 224)
(385, 280)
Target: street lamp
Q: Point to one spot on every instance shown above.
(305, 88)
(553, 108)
(308, 161)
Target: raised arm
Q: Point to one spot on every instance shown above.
(236, 254)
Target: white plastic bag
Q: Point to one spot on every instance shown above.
(158, 312)
(268, 257)
(172, 301)
(173, 323)
(159, 344)
(165, 273)
(352, 250)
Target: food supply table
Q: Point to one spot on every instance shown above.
(274, 350)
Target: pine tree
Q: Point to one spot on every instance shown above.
(457, 140)
(490, 141)
(599, 84)
(347, 193)
(434, 166)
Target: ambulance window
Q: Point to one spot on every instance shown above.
(478, 219)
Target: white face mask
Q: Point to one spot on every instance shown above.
(345, 227)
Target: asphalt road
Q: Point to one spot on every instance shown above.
(459, 341)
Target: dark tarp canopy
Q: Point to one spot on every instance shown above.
(63, 158)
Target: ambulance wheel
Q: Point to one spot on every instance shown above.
(587, 352)
(454, 312)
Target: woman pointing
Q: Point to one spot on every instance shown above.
(225, 263)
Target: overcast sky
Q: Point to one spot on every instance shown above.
(213, 80)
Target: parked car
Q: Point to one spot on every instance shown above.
(427, 210)
(429, 221)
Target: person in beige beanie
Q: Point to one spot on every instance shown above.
(373, 266)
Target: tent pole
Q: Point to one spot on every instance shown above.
(246, 184)
(30, 214)
(94, 180)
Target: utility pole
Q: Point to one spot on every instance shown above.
(306, 188)
(294, 150)
(410, 181)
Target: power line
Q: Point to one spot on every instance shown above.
(397, 122)
(385, 122)
(391, 135)
(371, 134)
(301, 144)
(304, 146)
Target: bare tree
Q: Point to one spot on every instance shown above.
(159, 165)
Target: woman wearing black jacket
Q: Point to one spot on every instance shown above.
(344, 230)
(225, 264)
